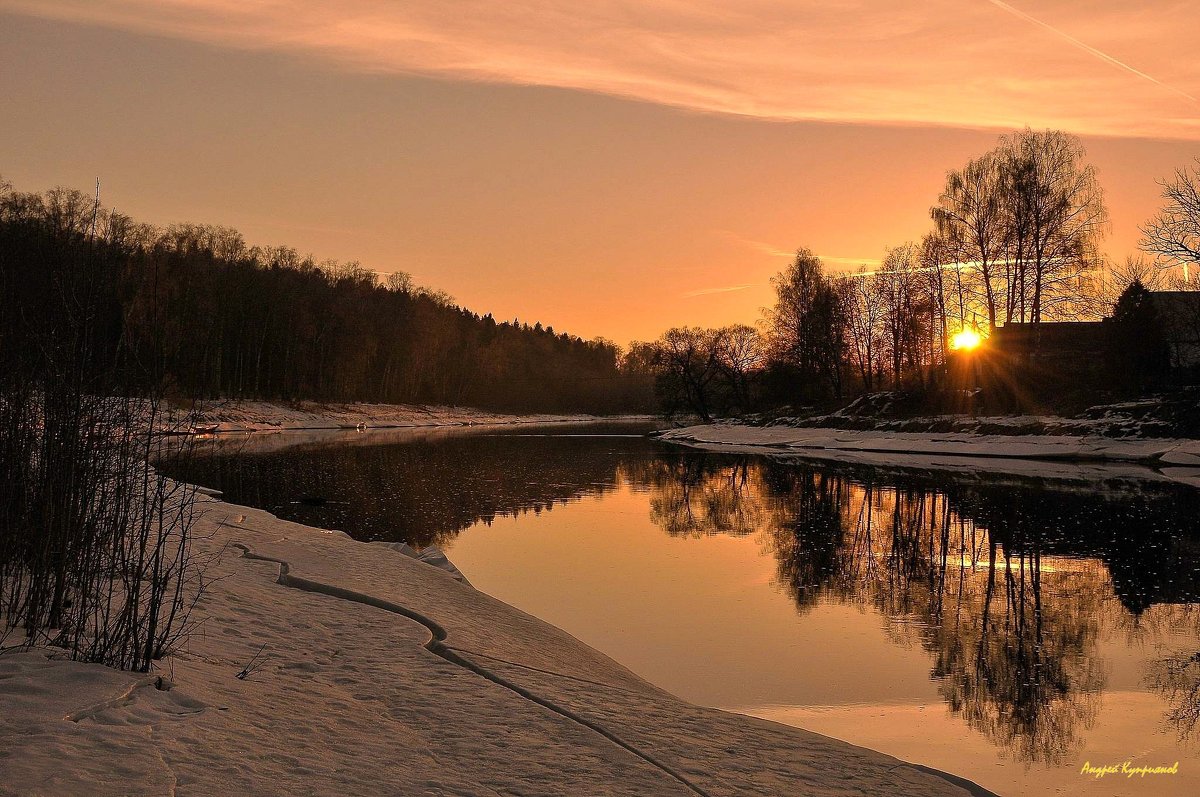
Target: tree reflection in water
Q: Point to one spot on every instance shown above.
(424, 488)
(1176, 673)
(690, 498)
(1007, 587)
(1177, 676)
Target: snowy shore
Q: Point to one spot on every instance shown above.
(261, 416)
(1067, 457)
(380, 674)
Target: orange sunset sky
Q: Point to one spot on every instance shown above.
(609, 168)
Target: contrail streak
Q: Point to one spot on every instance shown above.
(1103, 56)
(729, 289)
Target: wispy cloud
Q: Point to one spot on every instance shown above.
(926, 62)
(727, 289)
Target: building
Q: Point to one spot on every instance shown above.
(1179, 312)
(1069, 355)
(1050, 340)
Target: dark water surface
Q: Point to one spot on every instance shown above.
(1006, 631)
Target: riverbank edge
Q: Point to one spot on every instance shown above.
(1151, 452)
(512, 652)
(241, 417)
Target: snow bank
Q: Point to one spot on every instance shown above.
(381, 675)
(430, 555)
(1046, 456)
(262, 416)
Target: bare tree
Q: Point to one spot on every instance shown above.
(740, 354)
(1021, 226)
(400, 282)
(972, 219)
(1105, 287)
(1173, 235)
(1056, 217)
(864, 326)
(687, 360)
(900, 290)
(709, 372)
(94, 542)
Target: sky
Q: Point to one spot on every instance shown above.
(608, 168)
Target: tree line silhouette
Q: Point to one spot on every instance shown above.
(1014, 240)
(210, 316)
(104, 321)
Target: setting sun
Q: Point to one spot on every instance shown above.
(966, 340)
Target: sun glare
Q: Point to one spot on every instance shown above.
(965, 340)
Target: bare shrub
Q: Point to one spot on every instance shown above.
(94, 542)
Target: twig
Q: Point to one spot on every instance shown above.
(250, 669)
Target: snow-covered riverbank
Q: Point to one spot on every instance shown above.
(379, 674)
(1038, 456)
(263, 416)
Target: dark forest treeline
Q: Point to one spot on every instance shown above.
(209, 316)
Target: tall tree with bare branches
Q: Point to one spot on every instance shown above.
(972, 218)
(1056, 218)
(1173, 235)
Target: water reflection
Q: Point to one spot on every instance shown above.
(420, 487)
(1011, 638)
(1176, 676)
(1008, 587)
(691, 498)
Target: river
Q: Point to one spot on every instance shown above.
(1008, 631)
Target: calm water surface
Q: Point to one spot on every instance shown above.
(1004, 631)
